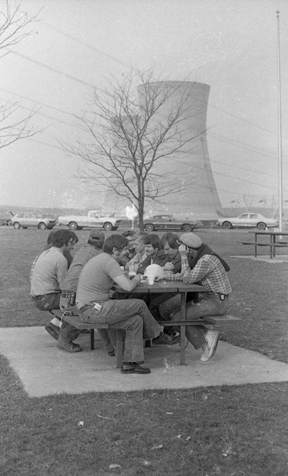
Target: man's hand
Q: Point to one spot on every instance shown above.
(126, 283)
(166, 276)
(168, 267)
(137, 279)
(183, 250)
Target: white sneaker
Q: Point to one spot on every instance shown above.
(209, 349)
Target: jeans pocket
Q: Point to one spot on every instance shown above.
(85, 317)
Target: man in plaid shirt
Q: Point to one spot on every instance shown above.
(207, 269)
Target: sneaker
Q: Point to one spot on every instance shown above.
(52, 330)
(68, 346)
(209, 349)
(134, 368)
(165, 339)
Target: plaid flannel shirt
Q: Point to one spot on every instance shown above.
(208, 272)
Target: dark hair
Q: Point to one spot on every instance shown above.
(114, 241)
(129, 233)
(96, 242)
(75, 237)
(52, 233)
(140, 235)
(171, 238)
(96, 238)
(152, 240)
(62, 237)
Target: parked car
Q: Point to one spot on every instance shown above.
(168, 222)
(93, 219)
(252, 220)
(27, 219)
(5, 217)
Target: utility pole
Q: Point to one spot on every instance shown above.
(280, 164)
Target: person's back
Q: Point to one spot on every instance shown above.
(96, 279)
(49, 272)
(92, 248)
(82, 256)
(47, 275)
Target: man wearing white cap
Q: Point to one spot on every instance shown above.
(209, 270)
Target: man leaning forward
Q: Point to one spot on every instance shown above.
(132, 315)
(207, 269)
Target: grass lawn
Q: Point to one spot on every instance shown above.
(225, 430)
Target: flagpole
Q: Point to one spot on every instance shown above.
(280, 165)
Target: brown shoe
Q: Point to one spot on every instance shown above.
(68, 346)
(134, 368)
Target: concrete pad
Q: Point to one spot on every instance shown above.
(266, 258)
(46, 370)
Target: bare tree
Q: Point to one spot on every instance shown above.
(131, 134)
(14, 123)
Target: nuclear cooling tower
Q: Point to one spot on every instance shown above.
(192, 166)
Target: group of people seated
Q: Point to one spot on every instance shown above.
(83, 285)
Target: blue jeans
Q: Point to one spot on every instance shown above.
(49, 302)
(210, 305)
(131, 315)
(70, 333)
(154, 308)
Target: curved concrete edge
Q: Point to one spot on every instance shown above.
(46, 370)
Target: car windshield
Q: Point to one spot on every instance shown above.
(39, 215)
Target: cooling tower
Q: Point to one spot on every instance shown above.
(192, 166)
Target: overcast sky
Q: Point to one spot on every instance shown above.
(229, 45)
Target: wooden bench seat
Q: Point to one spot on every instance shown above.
(208, 320)
(205, 321)
(76, 322)
(57, 313)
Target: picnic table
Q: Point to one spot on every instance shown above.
(273, 243)
(159, 287)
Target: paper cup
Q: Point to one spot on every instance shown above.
(150, 279)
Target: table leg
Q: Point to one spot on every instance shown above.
(119, 348)
(271, 247)
(274, 247)
(182, 328)
(255, 253)
(92, 339)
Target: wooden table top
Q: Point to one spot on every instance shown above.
(163, 287)
(269, 233)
